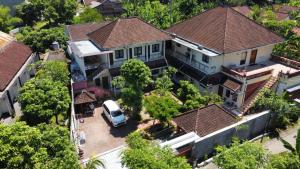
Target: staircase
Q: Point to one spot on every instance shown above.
(253, 98)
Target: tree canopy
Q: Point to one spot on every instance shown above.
(87, 16)
(40, 40)
(55, 70)
(143, 154)
(247, 155)
(54, 12)
(7, 22)
(42, 146)
(163, 108)
(42, 98)
(164, 82)
(135, 76)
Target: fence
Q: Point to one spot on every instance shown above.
(248, 128)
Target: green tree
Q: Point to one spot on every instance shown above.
(164, 82)
(283, 112)
(41, 40)
(192, 98)
(7, 22)
(41, 99)
(283, 160)
(295, 150)
(55, 12)
(87, 16)
(163, 108)
(43, 146)
(94, 163)
(289, 48)
(135, 76)
(143, 154)
(55, 70)
(241, 156)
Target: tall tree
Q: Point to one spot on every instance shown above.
(55, 70)
(164, 82)
(143, 154)
(163, 108)
(55, 12)
(43, 146)
(41, 99)
(247, 155)
(7, 22)
(135, 76)
(88, 15)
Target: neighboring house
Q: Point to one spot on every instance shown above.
(15, 58)
(283, 12)
(223, 51)
(108, 8)
(245, 10)
(100, 49)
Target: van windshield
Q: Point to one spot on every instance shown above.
(116, 113)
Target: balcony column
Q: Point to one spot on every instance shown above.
(191, 54)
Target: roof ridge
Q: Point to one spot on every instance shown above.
(225, 30)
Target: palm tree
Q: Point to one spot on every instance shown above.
(93, 163)
(295, 150)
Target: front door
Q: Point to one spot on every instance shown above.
(130, 53)
(253, 57)
(111, 59)
(105, 83)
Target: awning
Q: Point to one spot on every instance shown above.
(85, 97)
(232, 85)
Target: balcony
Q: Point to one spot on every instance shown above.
(195, 64)
(257, 70)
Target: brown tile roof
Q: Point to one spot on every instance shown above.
(281, 16)
(245, 10)
(232, 85)
(12, 58)
(206, 120)
(85, 97)
(225, 30)
(79, 32)
(285, 8)
(126, 31)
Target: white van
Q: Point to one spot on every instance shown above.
(113, 113)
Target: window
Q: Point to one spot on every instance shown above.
(243, 58)
(155, 48)
(138, 51)
(227, 93)
(155, 71)
(178, 45)
(205, 58)
(188, 49)
(119, 54)
(234, 97)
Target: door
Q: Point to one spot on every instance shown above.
(220, 91)
(111, 59)
(253, 57)
(98, 82)
(105, 83)
(130, 53)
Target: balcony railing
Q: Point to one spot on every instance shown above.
(243, 75)
(195, 64)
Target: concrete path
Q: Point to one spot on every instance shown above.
(275, 146)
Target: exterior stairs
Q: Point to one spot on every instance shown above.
(253, 98)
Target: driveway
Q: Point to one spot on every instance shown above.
(101, 136)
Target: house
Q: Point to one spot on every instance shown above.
(283, 12)
(107, 8)
(98, 50)
(245, 10)
(222, 51)
(15, 58)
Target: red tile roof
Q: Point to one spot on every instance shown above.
(12, 58)
(126, 31)
(225, 30)
(79, 32)
(85, 97)
(285, 8)
(205, 120)
(245, 10)
(281, 16)
(232, 85)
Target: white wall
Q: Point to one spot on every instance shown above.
(287, 83)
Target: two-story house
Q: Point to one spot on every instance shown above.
(15, 58)
(99, 50)
(222, 51)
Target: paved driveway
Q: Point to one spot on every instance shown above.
(101, 136)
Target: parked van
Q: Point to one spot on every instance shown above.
(113, 113)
